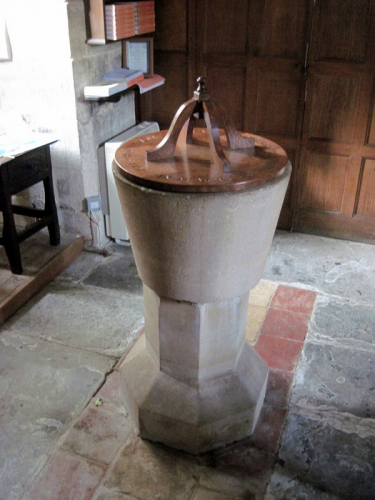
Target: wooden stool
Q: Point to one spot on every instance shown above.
(15, 176)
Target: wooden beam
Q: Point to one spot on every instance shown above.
(27, 289)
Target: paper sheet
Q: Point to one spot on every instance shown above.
(12, 145)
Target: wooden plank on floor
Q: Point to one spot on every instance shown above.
(33, 284)
(9, 282)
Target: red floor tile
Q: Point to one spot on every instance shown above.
(268, 429)
(278, 352)
(67, 477)
(278, 388)
(293, 299)
(287, 324)
(110, 395)
(98, 434)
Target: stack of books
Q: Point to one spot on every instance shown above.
(119, 20)
(145, 17)
(126, 19)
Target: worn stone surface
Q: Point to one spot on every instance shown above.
(117, 272)
(336, 377)
(287, 486)
(43, 387)
(344, 323)
(97, 320)
(110, 395)
(146, 470)
(205, 494)
(324, 447)
(67, 477)
(105, 494)
(328, 458)
(81, 267)
(98, 434)
(337, 267)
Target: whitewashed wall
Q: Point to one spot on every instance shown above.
(41, 89)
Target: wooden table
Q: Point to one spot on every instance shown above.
(16, 175)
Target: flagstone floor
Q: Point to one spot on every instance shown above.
(66, 435)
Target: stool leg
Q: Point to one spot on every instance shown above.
(10, 238)
(50, 208)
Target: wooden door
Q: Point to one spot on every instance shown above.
(299, 72)
(252, 53)
(337, 174)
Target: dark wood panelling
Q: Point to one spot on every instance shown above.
(283, 28)
(324, 184)
(175, 59)
(336, 184)
(366, 194)
(341, 30)
(223, 26)
(371, 129)
(277, 103)
(171, 23)
(318, 104)
(334, 106)
(227, 85)
(168, 98)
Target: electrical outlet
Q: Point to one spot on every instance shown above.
(93, 204)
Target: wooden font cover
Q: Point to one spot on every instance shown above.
(192, 160)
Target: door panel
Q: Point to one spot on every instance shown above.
(277, 103)
(169, 97)
(366, 199)
(283, 32)
(223, 29)
(324, 185)
(334, 103)
(371, 128)
(227, 85)
(335, 180)
(341, 30)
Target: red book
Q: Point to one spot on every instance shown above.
(135, 80)
(123, 24)
(143, 31)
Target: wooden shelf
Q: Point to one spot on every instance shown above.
(144, 86)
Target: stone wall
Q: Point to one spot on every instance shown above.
(42, 90)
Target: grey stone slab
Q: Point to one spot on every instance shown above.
(150, 471)
(88, 318)
(334, 377)
(333, 266)
(286, 486)
(81, 267)
(146, 471)
(349, 324)
(43, 387)
(117, 272)
(204, 494)
(328, 459)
